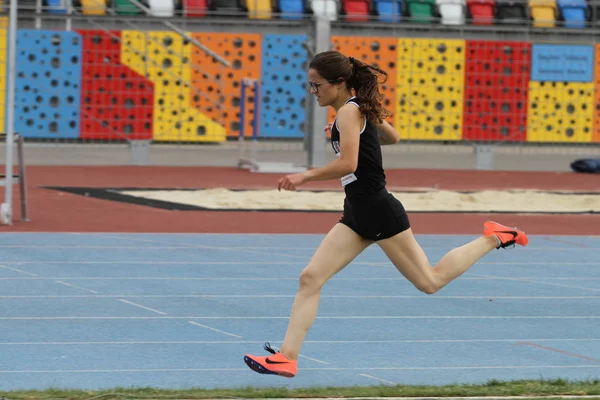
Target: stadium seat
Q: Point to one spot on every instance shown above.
(23, 5)
(543, 13)
(481, 11)
(125, 7)
(93, 7)
(574, 12)
(325, 8)
(162, 8)
(511, 12)
(291, 9)
(194, 8)
(55, 7)
(421, 10)
(452, 11)
(259, 9)
(226, 7)
(388, 10)
(356, 10)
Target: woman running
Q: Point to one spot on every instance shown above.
(371, 214)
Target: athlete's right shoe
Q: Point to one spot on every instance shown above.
(507, 236)
(277, 364)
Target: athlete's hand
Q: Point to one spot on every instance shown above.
(290, 182)
(328, 128)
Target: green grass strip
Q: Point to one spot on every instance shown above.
(554, 387)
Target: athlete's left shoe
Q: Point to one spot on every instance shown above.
(276, 364)
(507, 236)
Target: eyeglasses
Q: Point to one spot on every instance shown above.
(315, 85)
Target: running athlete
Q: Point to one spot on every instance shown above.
(371, 214)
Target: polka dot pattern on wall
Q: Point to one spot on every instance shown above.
(47, 102)
(284, 93)
(560, 112)
(430, 84)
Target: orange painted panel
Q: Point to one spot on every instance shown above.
(377, 51)
(243, 51)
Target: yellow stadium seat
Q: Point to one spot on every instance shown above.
(543, 12)
(259, 9)
(93, 7)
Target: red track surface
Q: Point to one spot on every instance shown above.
(52, 211)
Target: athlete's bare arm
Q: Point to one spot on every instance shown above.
(387, 133)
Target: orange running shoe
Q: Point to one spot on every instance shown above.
(506, 235)
(277, 364)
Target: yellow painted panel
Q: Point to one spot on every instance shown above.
(167, 65)
(430, 89)
(560, 112)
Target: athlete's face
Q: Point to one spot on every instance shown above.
(325, 91)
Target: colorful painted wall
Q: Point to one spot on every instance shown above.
(154, 85)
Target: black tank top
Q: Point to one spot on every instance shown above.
(369, 177)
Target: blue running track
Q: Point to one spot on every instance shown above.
(180, 311)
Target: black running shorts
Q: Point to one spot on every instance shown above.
(378, 217)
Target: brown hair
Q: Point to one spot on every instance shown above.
(364, 79)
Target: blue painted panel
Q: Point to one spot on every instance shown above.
(48, 85)
(562, 63)
(283, 93)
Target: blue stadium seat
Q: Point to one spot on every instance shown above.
(388, 10)
(55, 7)
(291, 9)
(574, 12)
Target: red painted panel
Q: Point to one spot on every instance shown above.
(496, 85)
(117, 101)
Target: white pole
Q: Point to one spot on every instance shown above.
(38, 10)
(69, 7)
(10, 110)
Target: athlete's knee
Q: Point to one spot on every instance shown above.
(310, 280)
(429, 288)
(429, 285)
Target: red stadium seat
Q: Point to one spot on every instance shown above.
(195, 8)
(482, 11)
(356, 10)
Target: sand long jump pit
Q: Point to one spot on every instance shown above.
(484, 201)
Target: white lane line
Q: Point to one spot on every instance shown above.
(119, 263)
(460, 367)
(141, 306)
(18, 270)
(76, 287)
(313, 359)
(215, 329)
(229, 342)
(480, 277)
(538, 282)
(575, 247)
(228, 249)
(289, 296)
(350, 317)
(378, 379)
